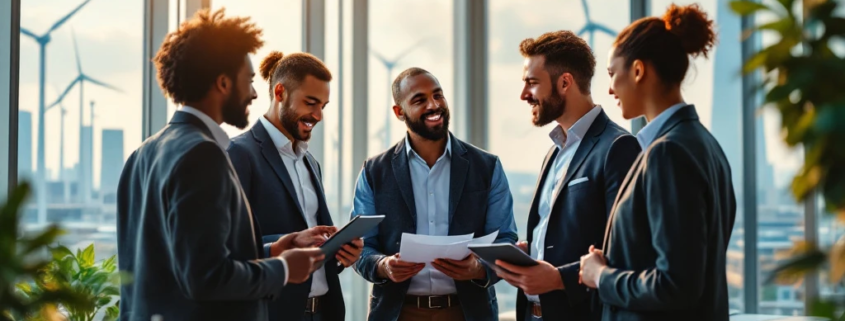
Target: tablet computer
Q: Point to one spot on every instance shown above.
(507, 252)
(357, 227)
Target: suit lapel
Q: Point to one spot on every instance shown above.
(323, 216)
(402, 173)
(533, 215)
(271, 155)
(457, 176)
(591, 137)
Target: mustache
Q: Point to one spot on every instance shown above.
(435, 111)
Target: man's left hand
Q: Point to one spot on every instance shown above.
(463, 270)
(592, 265)
(533, 280)
(350, 253)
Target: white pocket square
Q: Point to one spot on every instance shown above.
(578, 181)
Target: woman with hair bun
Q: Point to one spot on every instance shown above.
(663, 256)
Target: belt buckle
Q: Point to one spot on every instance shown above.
(431, 306)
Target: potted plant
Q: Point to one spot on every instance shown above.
(805, 81)
(23, 259)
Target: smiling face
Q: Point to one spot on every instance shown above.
(624, 84)
(423, 107)
(302, 109)
(539, 92)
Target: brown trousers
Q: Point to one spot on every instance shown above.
(411, 312)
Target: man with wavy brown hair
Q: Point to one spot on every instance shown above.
(185, 231)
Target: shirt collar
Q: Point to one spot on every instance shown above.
(281, 141)
(577, 131)
(447, 152)
(648, 134)
(217, 132)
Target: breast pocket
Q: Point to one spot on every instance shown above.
(578, 183)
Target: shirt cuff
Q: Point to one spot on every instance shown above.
(287, 272)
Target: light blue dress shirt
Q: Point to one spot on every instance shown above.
(648, 134)
(567, 144)
(432, 185)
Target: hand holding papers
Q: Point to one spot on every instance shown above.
(447, 254)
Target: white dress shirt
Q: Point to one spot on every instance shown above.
(222, 140)
(648, 134)
(294, 161)
(567, 144)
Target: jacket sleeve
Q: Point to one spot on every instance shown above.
(199, 216)
(364, 204)
(676, 202)
(620, 156)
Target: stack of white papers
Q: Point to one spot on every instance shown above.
(427, 248)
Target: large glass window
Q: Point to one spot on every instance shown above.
(404, 34)
(780, 219)
(80, 110)
(521, 146)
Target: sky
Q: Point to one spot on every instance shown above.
(109, 34)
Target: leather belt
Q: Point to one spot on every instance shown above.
(536, 310)
(312, 304)
(432, 301)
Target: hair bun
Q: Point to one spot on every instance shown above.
(692, 26)
(268, 65)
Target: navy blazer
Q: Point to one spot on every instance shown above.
(579, 213)
(668, 233)
(185, 232)
(470, 181)
(272, 197)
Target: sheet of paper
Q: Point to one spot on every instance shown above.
(427, 248)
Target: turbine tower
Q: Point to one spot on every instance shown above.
(85, 177)
(43, 40)
(62, 177)
(592, 27)
(389, 64)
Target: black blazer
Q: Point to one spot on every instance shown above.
(669, 230)
(579, 213)
(185, 233)
(273, 201)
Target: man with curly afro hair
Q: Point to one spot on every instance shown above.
(185, 231)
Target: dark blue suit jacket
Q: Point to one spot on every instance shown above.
(389, 177)
(579, 213)
(185, 233)
(668, 233)
(272, 197)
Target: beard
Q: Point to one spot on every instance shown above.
(548, 110)
(235, 110)
(290, 122)
(419, 127)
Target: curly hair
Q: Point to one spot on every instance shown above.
(564, 52)
(200, 50)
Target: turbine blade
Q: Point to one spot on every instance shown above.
(66, 17)
(67, 90)
(411, 48)
(100, 83)
(586, 10)
(26, 32)
(379, 57)
(76, 51)
(605, 29)
(584, 29)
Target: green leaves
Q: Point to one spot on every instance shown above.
(745, 8)
(86, 258)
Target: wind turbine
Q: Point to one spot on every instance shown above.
(62, 178)
(42, 41)
(591, 27)
(84, 178)
(389, 64)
